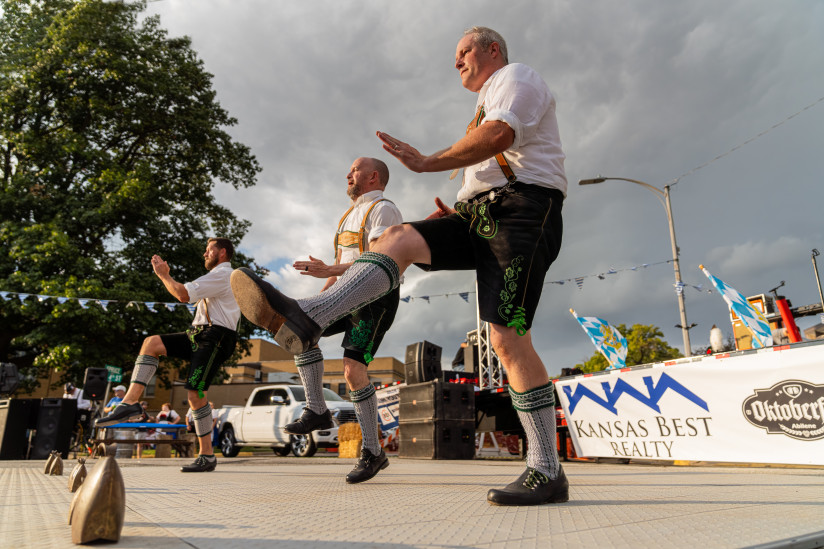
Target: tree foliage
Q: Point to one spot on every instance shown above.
(111, 143)
(645, 344)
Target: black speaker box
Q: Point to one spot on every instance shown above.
(94, 383)
(437, 439)
(17, 416)
(423, 362)
(471, 360)
(55, 423)
(436, 400)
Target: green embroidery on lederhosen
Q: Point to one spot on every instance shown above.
(515, 316)
(361, 338)
(192, 333)
(486, 226)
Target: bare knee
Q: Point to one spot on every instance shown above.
(404, 244)
(153, 345)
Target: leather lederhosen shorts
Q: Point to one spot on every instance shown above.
(510, 238)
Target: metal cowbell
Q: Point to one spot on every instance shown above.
(56, 468)
(99, 506)
(78, 475)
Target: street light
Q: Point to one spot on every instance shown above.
(664, 197)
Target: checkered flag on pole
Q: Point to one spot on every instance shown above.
(606, 339)
(749, 315)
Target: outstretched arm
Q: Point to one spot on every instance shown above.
(161, 269)
(480, 144)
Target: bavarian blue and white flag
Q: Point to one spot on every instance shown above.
(749, 315)
(606, 339)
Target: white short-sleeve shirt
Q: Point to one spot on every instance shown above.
(213, 290)
(518, 96)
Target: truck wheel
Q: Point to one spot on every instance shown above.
(282, 450)
(303, 446)
(228, 443)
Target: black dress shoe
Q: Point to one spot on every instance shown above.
(263, 305)
(310, 421)
(200, 465)
(120, 414)
(532, 488)
(368, 466)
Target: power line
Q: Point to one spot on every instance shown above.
(748, 141)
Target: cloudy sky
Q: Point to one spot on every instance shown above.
(647, 90)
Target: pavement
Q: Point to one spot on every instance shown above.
(304, 503)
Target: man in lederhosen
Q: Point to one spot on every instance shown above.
(506, 226)
(207, 344)
(368, 217)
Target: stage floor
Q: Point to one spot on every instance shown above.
(304, 503)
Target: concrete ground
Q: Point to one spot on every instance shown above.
(304, 503)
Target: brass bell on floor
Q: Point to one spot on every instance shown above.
(78, 475)
(49, 462)
(56, 467)
(98, 508)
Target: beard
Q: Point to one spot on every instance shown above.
(211, 263)
(354, 191)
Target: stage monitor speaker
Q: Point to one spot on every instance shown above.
(94, 383)
(17, 416)
(437, 439)
(471, 359)
(423, 362)
(55, 422)
(9, 378)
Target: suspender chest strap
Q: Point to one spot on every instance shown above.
(361, 232)
(499, 158)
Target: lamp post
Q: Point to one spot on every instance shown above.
(664, 197)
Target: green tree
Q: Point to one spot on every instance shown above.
(111, 143)
(645, 344)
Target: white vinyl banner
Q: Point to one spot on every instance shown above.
(764, 406)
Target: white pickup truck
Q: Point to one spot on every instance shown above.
(269, 408)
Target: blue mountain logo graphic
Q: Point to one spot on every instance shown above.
(654, 393)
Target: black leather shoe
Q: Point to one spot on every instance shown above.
(120, 414)
(368, 466)
(310, 421)
(532, 488)
(200, 465)
(263, 305)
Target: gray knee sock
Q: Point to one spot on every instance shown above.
(371, 276)
(366, 408)
(310, 369)
(536, 410)
(144, 368)
(203, 420)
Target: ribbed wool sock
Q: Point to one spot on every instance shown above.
(310, 369)
(145, 367)
(536, 410)
(366, 408)
(371, 276)
(203, 420)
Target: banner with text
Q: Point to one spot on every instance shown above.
(761, 406)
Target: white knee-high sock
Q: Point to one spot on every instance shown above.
(310, 369)
(536, 410)
(371, 276)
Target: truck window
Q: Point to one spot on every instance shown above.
(263, 398)
(282, 394)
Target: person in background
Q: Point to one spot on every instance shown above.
(119, 393)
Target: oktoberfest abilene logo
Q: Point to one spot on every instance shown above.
(792, 407)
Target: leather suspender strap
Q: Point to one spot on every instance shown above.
(500, 158)
(206, 310)
(340, 224)
(362, 231)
